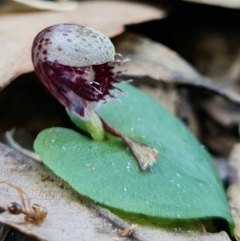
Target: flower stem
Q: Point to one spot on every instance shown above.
(94, 126)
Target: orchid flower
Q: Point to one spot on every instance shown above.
(76, 65)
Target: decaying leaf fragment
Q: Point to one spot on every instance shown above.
(127, 231)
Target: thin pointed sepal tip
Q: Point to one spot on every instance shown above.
(145, 154)
(151, 154)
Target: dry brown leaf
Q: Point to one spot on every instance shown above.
(233, 190)
(149, 58)
(224, 113)
(20, 6)
(154, 60)
(69, 216)
(48, 5)
(17, 31)
(219, 142)
(216, 56)
(222, 3)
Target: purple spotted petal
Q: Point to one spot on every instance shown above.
(76, 64)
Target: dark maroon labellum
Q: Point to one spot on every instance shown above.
(77, 69)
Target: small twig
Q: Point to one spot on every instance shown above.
(9, 140)
(128, 231)
(120, 223)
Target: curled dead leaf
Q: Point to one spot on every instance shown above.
(225, 113)
(154, 60)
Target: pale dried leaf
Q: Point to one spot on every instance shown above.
(48, 5)
(178, 235)
(18, 30)
(233, 190)
(154, 60)
(195, 232)
(222, 3)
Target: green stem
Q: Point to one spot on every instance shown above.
(94, 127)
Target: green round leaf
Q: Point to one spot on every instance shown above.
(182, 184)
